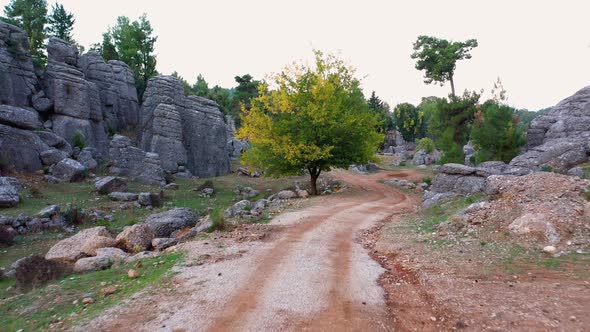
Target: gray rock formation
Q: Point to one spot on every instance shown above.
(76, 101)
(561, 138)
(116, 87)
(19, 117)
(204, 132)
(127, 160)
(453, 180)
(17, 74)
(423, 158)
(109, 184)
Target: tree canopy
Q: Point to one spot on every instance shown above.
(438, 58)
(132, 43)
(409, 120)
(313, 119)
(383, 112)
(60, 23)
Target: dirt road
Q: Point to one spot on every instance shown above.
(310, 274)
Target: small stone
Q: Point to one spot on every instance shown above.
(573, 318)
(432, 318)
(550, 250)
(87, 300)
(132, 274)
(108, 290)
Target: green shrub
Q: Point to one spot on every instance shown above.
(428, 181)
(217, 220)
(547, 168)
(587, 193)
(79, 140)
(425, 144)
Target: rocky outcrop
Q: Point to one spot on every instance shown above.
(561, 138)
(127, 160)
(76, 101)
(421, 157)
(197, 133)
(453, 180)
(17, 74)
(116, 86)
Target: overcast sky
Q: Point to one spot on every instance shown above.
(540, 49)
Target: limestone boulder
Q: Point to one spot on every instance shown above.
(68, 170)
(91, 246)
(127, 160)
(165, 223)
(9, 192)
(136, 238)
(21, 149)
(70, 250)
(109, 184)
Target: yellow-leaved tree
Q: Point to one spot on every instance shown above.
(310, 118)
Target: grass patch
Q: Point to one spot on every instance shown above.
(430, 218)
(39, 308)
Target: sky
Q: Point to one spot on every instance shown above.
(540, 49)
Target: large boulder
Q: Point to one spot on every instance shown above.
(238, 209)
(19, 117)
(560, 154)
(204, 131)
(165, 223)
(88, 264)
(21, 149)
(127, 160)
(9, 192)
(53, 156)
(69, 170)
(109, 184)
(136, 238)
(91, 246)
(71, 249)
(123, 196)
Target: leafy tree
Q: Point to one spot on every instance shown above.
(61, 23)
(132, 43)
(382, 110)
(496, 133)
(316, 118)
(438, 58)
(31, 16)
(425, 144)
(408, 120)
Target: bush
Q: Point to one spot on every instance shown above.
(79, 140)
(428, 181)
(425, 144)
(547, 168)
(587, 193)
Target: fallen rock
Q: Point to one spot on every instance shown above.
(136, 238)
(91, 245)
(163, 243)
(109, 184)
(165, 223)
(49, 211)
(92, 264)
(108, 290)
(237, 209)
(9, 192)
(302, 193)
(286, 194)
(86, 158)
(53, 156)
(123, 196)
(70, 250)
(116, 255)
(551, 250)
(145, 199)
(68, 170)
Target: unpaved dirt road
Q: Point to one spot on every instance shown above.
(311, 273)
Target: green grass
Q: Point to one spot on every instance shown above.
(55, 301)
(433, 216)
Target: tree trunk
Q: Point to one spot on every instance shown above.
(452, 86)
(314, 174)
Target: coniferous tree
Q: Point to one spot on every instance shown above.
(60, 23)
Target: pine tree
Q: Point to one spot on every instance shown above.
(61, 23)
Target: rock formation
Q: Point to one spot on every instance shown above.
(561, 138)
(185, 131)
(127, 160)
